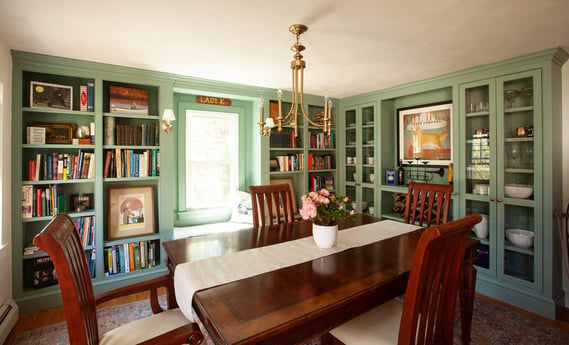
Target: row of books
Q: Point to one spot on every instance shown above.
(130, 257)
(318, 182)
(291, 162)
(146, 134)
(42, 201)
(62, 166)
(319, 162)
(284, 139)
(86, 228)
(322, 141)
(131, 163)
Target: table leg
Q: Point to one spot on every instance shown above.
(466, 293)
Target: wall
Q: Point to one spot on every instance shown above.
(5, 146)
(565, 107)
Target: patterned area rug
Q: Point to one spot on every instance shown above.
(492, 324)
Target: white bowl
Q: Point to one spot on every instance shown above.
(520, 238)
(518, 191)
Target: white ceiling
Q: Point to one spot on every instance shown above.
(352, 47)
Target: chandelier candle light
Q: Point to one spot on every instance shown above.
(322, 120)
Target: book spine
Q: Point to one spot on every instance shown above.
(27, 201)
(83, 97)
(90, 95)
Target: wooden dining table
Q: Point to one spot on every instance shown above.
(296, 303)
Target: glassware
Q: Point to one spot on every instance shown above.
(528, 155)
(514, 153)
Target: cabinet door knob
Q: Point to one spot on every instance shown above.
(492, 199)
(499, 200)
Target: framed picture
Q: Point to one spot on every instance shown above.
(130, 212)
(81, 202)
(128, 100)
(290, 182)
(45, 95)
(274, 165)
(425, 133)
(56, 133)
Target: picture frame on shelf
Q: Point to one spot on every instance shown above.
(130, 212)
(128, 100)
(82, 202)
(425, 134)
(274, 165)
(56, 133)
(47, 95)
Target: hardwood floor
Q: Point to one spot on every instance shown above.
(56, 315)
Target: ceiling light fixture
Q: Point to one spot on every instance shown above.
(321, 120)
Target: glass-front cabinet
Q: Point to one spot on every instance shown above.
(359, 171)
(500, 125)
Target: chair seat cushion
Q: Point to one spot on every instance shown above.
(144, 329)
(378, 326)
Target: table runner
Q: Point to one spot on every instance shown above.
(192, 276)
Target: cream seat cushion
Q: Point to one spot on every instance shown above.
(141, 330)
(378, 326)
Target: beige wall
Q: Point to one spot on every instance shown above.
(565, 109)
(5, 186)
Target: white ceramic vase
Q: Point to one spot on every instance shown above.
(325, 236)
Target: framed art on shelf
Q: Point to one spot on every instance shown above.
(46, 95)
(130, 212)
(56, 133)
(425, 134)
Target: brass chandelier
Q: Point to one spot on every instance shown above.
(321, 120)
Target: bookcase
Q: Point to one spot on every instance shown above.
(80, 131)
(309, 159)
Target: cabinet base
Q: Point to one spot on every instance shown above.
(531, 302)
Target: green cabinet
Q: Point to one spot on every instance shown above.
(359, 155)
(501, 122)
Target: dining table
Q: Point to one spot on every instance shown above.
(292, 302)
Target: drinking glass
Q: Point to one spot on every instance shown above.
(514, 153)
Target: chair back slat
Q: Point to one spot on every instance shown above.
(427, 203)
(60, 240)
(430, 298)
(272, 204)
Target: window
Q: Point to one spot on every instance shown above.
(212, 158)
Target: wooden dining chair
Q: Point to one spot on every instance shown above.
(426, 315)
(563, 228)
(60, 240)
(272, 204)
(427, 202)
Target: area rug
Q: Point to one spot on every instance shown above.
(492, 324)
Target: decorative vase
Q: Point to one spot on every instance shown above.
(325, 235)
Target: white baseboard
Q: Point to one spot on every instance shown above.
(8, 319)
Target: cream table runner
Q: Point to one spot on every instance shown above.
(192, 276)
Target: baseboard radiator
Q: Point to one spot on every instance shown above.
(8, 319)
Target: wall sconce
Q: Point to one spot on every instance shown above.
(167, 119)
(265, 127)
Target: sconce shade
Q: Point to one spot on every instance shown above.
(168, 115)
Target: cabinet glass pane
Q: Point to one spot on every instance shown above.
(518, 242)
(477, 140)
(518, 125)
(482, 232)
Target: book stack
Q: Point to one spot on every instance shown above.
(130, 257)
(320, 162)
(146, 134)
(322, 141)
(86, 228)
(131, 163)
(317, 183)
(291, 162)
(42, 201)
(62, 166)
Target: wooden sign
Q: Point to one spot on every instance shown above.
(213, 100)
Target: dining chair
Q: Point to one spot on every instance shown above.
(60, 240)
(426, 315)
(428, 202)
(272, 204)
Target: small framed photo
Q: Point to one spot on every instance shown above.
(274, 165)
(81, 202)
(56, 133)
(128, 100)
(46, 95)
(130, 212)
(390, 177)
